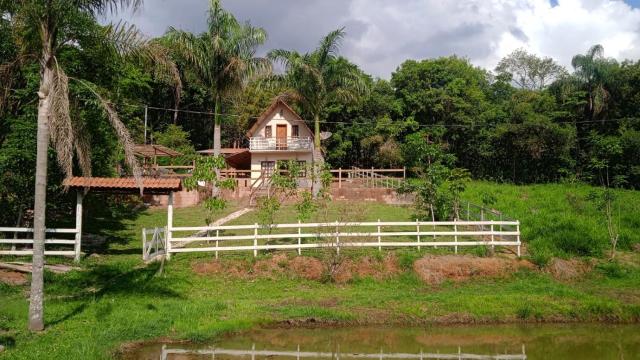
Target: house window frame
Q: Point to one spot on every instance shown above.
(295, 131)
(268, 131)
(266, 169)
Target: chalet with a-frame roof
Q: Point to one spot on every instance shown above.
(279, 134)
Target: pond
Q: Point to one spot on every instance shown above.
(500, 342)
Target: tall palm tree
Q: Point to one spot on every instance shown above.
(313, 79)
(223, 57)
(594, 71)
(44, 27)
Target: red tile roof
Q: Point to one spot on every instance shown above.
(167, 184)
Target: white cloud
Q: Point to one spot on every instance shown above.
(384, 33)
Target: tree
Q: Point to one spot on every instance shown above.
(315, 78)
(223, 57)
(594, 71)
(44, 27)
(529, 71)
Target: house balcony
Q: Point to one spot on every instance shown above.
(281, 144)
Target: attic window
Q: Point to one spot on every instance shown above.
(295, 130)
(280, 113)
(267, 132)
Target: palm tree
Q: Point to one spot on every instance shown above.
(223, 57)
(313, 79)
(593, 70)
(44, 27)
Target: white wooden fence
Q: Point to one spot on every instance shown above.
(11, 242)
(154, 247)
(337, 235)
(253, 354)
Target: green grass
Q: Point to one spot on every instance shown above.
(116, 299)
(557, 218)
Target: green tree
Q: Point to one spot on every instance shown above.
(594, 71)
(529, 71)
(44, 27)
(223, 57)
(315, 78)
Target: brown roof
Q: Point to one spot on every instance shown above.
(150, 151)
(270, 109)
(129, 184)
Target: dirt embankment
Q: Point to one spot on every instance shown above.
(431, 269)
(310, 268)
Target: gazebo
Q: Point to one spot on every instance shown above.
(129, 185)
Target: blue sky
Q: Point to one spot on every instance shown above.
(383, 33)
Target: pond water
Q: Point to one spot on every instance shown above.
(500, 342)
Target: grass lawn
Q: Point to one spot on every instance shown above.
(116, 299)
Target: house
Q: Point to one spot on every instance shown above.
(279, 134)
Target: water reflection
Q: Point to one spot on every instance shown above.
(167, 353)
(504, 342)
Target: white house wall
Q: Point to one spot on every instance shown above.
(283, 116)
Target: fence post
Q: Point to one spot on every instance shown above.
(169, 228)
(337, 239)
(468, 211)
(78, 237)
(404, 172)
(455, 230)
(255, 239)
(518, 236)
(217, 241)
(418, 232)
(379, 237)
(340, 178)
(144, 245)
(492, 238)
(299, 240)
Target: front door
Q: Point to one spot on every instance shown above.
(281, 137)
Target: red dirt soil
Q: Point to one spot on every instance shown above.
(12, 277)
(435, 270)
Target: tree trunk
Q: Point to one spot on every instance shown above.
(318, 160)
(36, 304)
(216, 128)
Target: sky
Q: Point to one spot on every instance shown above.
(381, 34)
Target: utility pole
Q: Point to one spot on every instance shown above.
(145, 124)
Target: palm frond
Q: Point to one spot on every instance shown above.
(123, 135)
(329, 46)
(60, 125)
(102, 7)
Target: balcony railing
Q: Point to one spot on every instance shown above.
(280, 144)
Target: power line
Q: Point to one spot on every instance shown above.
(373, 121)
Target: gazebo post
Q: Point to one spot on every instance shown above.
(78, 244)
(169, 225)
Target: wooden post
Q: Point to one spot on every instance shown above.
(340, 178)
(255, 239)
(492, 238)
(169, 228)
(418, 231)
(299, 239)
(379, 237)
(373, 182)
(337, 239)
(78, 244)
(144, 245)
(404, 172)
(518, 236)
(468, 211)
(217, 241)
(455, 229)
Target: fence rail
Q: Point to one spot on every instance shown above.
(154, 247)
(8, 245)
(253, 353)
(337, 235)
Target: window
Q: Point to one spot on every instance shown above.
(303, 167)
(295, 131)
(268, 132)
(267, 167)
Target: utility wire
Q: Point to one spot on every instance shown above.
(371, 123)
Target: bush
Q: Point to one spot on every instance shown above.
(613, 269)
(541, 253)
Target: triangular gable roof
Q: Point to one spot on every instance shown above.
(265, 116)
